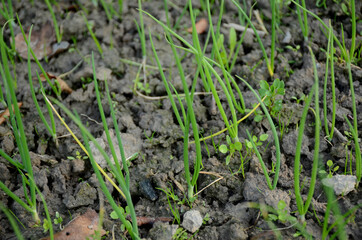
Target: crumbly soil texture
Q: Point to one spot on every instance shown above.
(149, 127)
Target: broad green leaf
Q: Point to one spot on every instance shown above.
(281, 205)
(223, 148)
(263, 137)
(329, 163)
(264, 85)
(238, 146)
(114, 215)
(232, 39)
(258, 118)
(220, 42)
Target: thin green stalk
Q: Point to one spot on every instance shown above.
(273, 33)
(274, 131)
(142, 31)
(56, 28)
(330, 39)
(12, 221)
(51, 130)
(357, 150)
(124, 182)
(17, 124)
(331, 59)
(268, 62)
(55, 90)
(120, 9)
(173, 104)
(10, 160)
(316, 139)
(298, 195)
(265, 170)
(229, 92)
(105, 7)
(353, 40)
(89, 27)
(132, 231)
(86, 135)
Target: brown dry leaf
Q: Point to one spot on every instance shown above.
(41, 41)
(5, 114)
(80, 228)
(64, 87)
(201, 26)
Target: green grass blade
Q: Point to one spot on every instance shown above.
(316, 138)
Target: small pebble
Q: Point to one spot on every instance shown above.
(341, 184)
(192, 221)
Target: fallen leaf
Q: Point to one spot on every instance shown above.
(64, 87)
(5, 114)
(80, 228)
(40, 42)
(201, 26)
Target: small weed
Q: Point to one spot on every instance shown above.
(332, 168)
(125, 212)
(180, 234)
(176, 201)
(78, 156)
(257, 142)
(231, 148)
(58, 220)
(277, 88)
(282, 213)
(46, 225)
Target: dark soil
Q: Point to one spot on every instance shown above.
(70, 187)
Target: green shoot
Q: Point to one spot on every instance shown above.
(56, 28)
(89, 27)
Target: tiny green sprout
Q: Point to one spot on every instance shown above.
(231, 148)
(298, 100)
(281, 211)
(58, 220)
(125, 212)
(206, 219)
(78, 156)
(46, 225)
(272, 92)
(332, 168)
(232, 42)
(144, 87)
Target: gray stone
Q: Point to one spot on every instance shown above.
(192, 221)
(341, 184)
(131, 145)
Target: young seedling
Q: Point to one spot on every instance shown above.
(257, 142)
(272, 92)
(232, 147)
(125, 212)
(332, 168)
(78, 156)
(282, 213)
(58, 220)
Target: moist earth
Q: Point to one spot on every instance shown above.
(149, 127)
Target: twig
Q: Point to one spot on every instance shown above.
(260, 21)
(240, 28)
